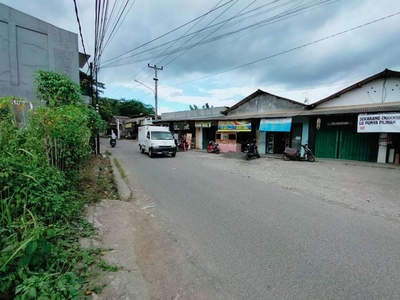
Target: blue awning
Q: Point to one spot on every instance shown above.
(276, 125)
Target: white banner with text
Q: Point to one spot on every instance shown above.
(388, 122)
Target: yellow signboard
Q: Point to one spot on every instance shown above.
(204, 124)
(234, 126)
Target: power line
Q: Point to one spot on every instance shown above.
(188, 31)
(210, 33)
(165, 34)
(200, 19)
(193, 36)
(284, 15)
(112, 35)
(270, 21)
(80, 28)
(290, 50)
(276, 18)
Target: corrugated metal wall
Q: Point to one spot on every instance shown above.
(326, 142)
(358, 146)
(344, 142)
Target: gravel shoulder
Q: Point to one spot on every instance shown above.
(366, 187)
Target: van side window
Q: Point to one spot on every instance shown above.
(148, 135)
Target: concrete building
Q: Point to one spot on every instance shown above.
(201, 124)
(28, 44)
(274, 121)
(360, 122)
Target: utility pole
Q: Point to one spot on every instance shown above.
(155, 81)
(97, 109)
(91, 94)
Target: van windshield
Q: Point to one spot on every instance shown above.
(160, 135)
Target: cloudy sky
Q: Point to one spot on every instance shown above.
(219, 52)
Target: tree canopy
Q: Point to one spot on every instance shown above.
(109, 107)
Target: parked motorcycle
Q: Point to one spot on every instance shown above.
(182, 145)
(251, 150)
(113, 142)
(212, 147)
(294, 154)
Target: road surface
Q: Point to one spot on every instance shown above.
(247, 239)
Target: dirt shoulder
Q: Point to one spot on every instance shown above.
(365, 187)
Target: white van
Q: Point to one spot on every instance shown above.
(156, 140)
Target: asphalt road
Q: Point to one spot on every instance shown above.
(259, 241)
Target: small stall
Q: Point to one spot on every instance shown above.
(228, 134)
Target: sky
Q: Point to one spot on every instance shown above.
(220, 51)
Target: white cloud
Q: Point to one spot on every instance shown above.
(165, 109)
(356, 54)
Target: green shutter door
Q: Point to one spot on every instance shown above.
(358, 146)
(326, 142)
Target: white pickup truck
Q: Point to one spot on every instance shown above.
(156, 140)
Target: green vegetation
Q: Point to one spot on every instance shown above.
(121, 170)
(44, 185)
(112, 107)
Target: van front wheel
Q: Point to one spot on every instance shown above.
(151, 153)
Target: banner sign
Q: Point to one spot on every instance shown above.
(234, 126)
(276, 125)
(203, 124)
(379, 123)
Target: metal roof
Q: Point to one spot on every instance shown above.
(270, 114)
(384, 74)
(203, 118)
(354, 109)
(381, 107)
(258, 93)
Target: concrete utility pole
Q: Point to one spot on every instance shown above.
(155, 81)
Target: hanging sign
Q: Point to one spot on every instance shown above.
(202, 124)
(379, 123)
(276, 125)
(234, 126)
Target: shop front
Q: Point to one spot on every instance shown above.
(231, 135)
(205, 132)
(277, 134)
(337, 137)
(386, 126)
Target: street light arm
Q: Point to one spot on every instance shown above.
(145, 85)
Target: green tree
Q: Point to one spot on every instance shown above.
(109, 107)
(56, 89)
(134, 108)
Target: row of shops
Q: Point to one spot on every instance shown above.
(357, 123)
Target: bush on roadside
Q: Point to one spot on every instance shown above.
(42, 153)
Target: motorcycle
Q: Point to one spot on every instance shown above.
(113, 142)
(212, 147)
(182, 145)
(294, 154)
(251, 151)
